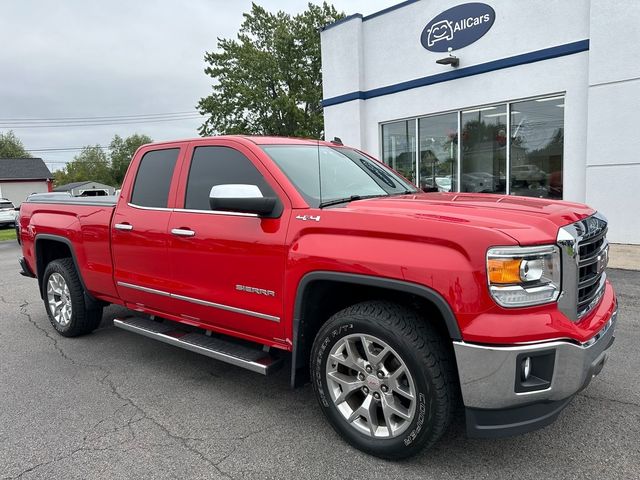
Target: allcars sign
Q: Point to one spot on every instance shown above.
(457, 27)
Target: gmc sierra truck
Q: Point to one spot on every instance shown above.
(399, 306)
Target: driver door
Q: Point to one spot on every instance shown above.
(227, 268)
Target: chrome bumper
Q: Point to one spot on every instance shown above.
(488, 375)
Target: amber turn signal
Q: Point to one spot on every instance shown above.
(504, 270)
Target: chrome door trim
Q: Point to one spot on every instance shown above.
(228, 308)
(133, 205)
(187, 210)
(198, 301)
(144, 289)
(215, 212)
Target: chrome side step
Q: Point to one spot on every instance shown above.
(224, 350)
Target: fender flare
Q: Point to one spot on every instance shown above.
(418, 290)
(89, 299)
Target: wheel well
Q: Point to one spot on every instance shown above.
(48, 250)
(322, 298)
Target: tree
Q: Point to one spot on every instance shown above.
(94, 164)
(121, 152)
(11, 146)
(268, 81)
(90, 164)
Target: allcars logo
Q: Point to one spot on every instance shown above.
(457, 27)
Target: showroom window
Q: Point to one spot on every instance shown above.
(399, 147)
(484, 150)
(438, 159)
(537, 138)
(514, 148)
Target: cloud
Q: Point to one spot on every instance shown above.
(81, 58)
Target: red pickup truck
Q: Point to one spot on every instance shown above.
(399, 306)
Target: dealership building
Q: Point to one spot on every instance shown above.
(538, 98)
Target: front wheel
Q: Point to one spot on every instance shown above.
(381, 376)
(65, 301)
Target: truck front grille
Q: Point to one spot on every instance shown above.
(585, 253)
(592, 259)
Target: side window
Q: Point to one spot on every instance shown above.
(212, 166)
(153, 180)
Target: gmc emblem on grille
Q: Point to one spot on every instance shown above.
(603, 260)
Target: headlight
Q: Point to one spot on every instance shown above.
(523, 276)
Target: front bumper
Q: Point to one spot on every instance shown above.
(496, 401)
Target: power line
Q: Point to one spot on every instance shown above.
(47, 119)
(99, 123)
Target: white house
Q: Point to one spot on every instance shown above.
(20, 177)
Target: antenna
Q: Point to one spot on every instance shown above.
(319, 171)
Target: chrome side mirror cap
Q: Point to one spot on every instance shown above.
(241, 198)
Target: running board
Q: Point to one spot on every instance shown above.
(224, 350)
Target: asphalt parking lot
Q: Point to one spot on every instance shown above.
(117, 405)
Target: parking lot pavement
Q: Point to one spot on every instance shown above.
(117, 405)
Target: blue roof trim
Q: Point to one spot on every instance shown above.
(531, 57)
(389, 9)
(342, 20)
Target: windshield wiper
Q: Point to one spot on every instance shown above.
(338, 201)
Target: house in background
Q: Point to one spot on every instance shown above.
(86, 189)
(20, 177)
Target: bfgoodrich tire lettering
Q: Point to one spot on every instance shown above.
(63, 291)
(404, 340)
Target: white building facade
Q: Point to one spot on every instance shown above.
(543, 101)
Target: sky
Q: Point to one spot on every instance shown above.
(83, 58)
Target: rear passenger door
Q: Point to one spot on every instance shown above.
(228, 270)
(139, 229)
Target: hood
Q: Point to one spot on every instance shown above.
(527, 220)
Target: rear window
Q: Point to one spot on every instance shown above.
(153, 180)
(6, 205)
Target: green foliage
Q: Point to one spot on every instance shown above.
(11, 146)
(121, 152)
(92, 163)
(268, 81)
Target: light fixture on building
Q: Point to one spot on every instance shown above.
(450, 60)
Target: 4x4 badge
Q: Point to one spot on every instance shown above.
(308, 217)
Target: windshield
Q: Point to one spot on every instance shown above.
(345, 173)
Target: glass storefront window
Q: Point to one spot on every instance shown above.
(537, 138)
(399, 147)
(484, 150)
(438, 159)
(534, 150)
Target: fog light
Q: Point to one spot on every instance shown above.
(525, 369)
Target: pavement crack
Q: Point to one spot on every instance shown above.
(612, 400)
(105, 381)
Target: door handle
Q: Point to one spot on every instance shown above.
(123, 226)
(183, 232)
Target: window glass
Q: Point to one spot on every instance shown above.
(211, 166)
(438, 159)
(537, 140)
(6, 205)
(153, 180)
(344, 172)
(484, 150)
(399, 147)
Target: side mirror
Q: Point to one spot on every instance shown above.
(240, 198)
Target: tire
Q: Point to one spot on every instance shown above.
(62, 286)
(413, 345)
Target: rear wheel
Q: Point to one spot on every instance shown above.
(65, 302)
(380, 373)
